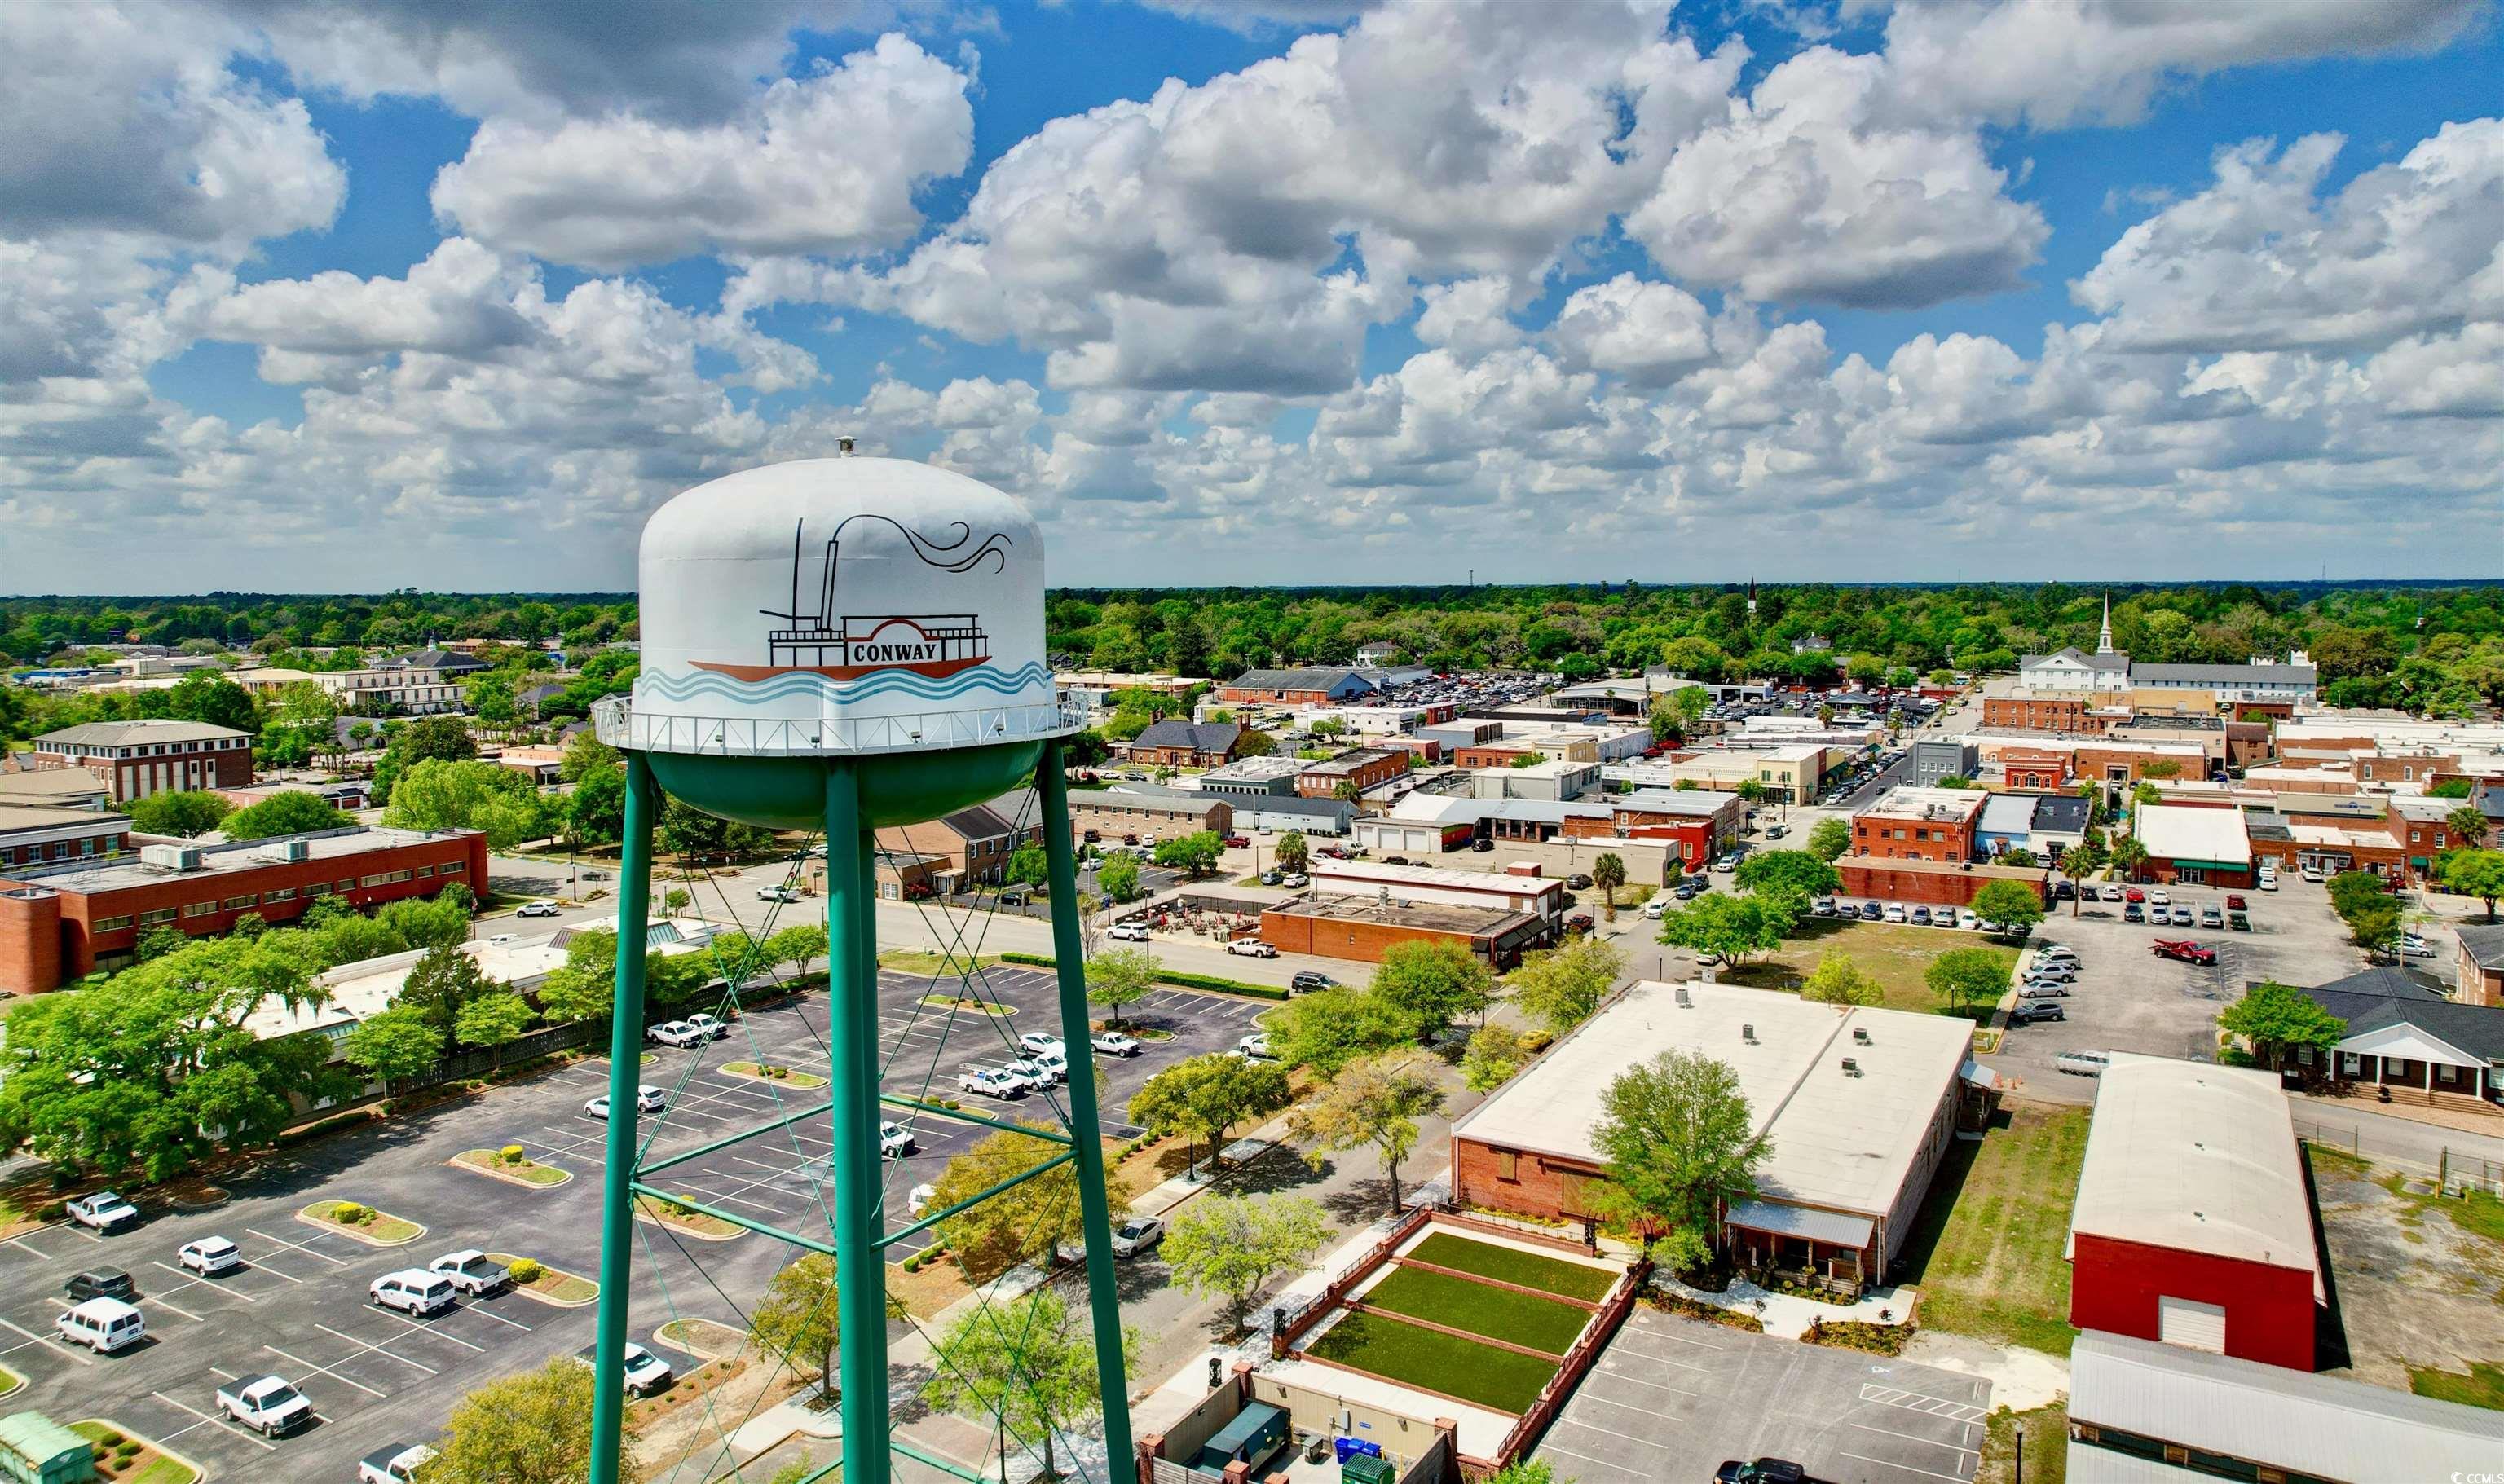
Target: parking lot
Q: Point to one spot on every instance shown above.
(1672, 1398)
(2128, 999)
(299, 1308)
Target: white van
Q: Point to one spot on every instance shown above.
(412, 1291)
(102, 1324)
(2084, 1063)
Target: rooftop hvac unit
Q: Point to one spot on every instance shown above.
(1851, 1067)
(1860, 1035)
(295, 850)
(172, 857)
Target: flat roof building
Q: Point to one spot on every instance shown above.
(1363, 928)
(2193, 1224)
(2189, 843)
(154, 755)
(1857, 1104)
(1530, 895)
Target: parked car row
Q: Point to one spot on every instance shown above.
(2051, 974)
(1915, 914)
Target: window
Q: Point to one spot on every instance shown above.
(110, 924)
(422, 872)
(152, 918)
(238, 904)
(281, 894)
(1506, 1164)
(350, 884)
(199, 909)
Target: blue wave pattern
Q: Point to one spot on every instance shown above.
(708, 684)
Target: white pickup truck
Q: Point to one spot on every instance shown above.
(268, 1405)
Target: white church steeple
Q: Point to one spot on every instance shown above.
(2104, 635)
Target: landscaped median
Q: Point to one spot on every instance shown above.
(511, 1166)
(681, 1217)
(1175, 978)
(547, 1285)
(786, 1076)
(360, 1222)
(127, 1457)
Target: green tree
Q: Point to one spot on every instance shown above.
(595, 812)
(207, 697)
(585, 756)
(2356, 891)
(2013, 904)
(2375, 928)
(1434, 984)
(1609, 872)
(2476, 874)
(1347, 791)
(1028, 867)
(396, 1044)
(2128, 856)
(1830, 839)
(1119, 878)
(1495, 1053)
(1293, 854)
(441, 984)
(1233, 1246)
(162, 939)
(182, 813)
(1118, 978)
(1838, 981)
(1194, 854)
(675, 900)
(2277, 1019)
(2467, 824)
(1203, 1097)
(428, 739)
(487, 797)
(1256, 744)
(1531, 1471)
(583, 987)
(1329, 1028)
(799, 946)
(1020, 1225)
(136, 1074)
(293, 812)
(799, 1322)
(1374, 1103)
(1027, 1364)
(533, 1428)
(494, 1020)
(1799, 873)
(1560, 988)
(438, 921)
(1733, 925)
(1679, 1139)
(1967, 980)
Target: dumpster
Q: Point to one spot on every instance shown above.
(1363, 1468)
(34, 1449)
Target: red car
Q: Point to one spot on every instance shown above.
(1237, 842)
(2184, 950)
(2133, 894)
(2233, 904)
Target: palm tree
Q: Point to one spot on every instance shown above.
(1609, 872)
(2128, 854)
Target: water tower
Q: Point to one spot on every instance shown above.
(842, 643)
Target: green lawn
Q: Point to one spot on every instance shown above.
(2483, 1385)
(1481, 1308)
(1898, 955)
(1986, 1249)
(1501, 1379)
(2047, 1446)
(1511, 1264)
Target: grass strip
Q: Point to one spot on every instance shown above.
(490, 1161)
(789, 1077)
(2482, 1386)
(1511, 1264)
(1542, 1324)
(1503, 1379)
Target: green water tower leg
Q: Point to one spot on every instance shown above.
(625, 1080)
(851, 1026)
(1086, 1133)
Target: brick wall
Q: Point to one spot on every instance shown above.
(2114, 1286)
(30, 939)
(1920, 838)
(1527, 1184)
(1382, 768)
(1161, 818)
(1871, 877)
(1360, 942)
(2023, 713)
(104, 842)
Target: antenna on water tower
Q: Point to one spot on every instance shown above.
(919, 688)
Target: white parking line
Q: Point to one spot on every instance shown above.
(1639, 1381)
(1549, 1445)
(164, 1305)
(1614, 1433)
(1920, 1402)
(296, 1247)
(332, 1374)
(1662, 1333)
(196, 1281)
(1952, 1478)
(425, 1330)
(262, 1443)
(472, 1308)
(1916, 1437)
(44, 1339)
(382, 1350)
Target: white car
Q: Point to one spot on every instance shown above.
(1294, 880)
(2268, 883)
(1136, 1234)
(1894, 912)
(1034, 1073)
(210, 1255)
(2056, 951)
(102, 1324)
(2313, 873)
(896, 1141)
(1255, 1046)
(2413, 947)
(677, 1033)
(103, 1211)
(2159, 898)
(713, 1028)
(1251, 948)
(648, 1099)
(268, 1405)
(989, 1083)
(919, 1200)
(471, 1271)
(1655, 908)
(396, 1463)
(1112, 1043)
(2113, 892)
(1035, 1042)
(533, 909)
(1128, 932)
(412, 1291)
(645, 1373)
(1051, 1062)
(777, 894)
(1967, 921)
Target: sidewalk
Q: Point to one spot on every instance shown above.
(1787, 1316)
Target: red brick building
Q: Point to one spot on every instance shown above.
(1313, 685)
(2044, 713)
(61, 923)
(1175, 743)
(139, 758)
(1936, 824)
(34, 835)
(1931, 882)
(2193, 1224)
(1366, 768)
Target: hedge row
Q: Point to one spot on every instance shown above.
(1169, 977)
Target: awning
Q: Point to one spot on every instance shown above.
(1833, 1228)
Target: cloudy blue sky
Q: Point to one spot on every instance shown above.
(304, 296)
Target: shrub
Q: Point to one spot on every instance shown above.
(127, 1450)
(347, 1213)
(527, 1271)
(512, 1153)
(110, 1439)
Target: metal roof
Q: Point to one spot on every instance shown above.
(2315, 1425)
(2196, 1157)
(1804, 1221)
(2186, 832)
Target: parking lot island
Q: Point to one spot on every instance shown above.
(360, 1223)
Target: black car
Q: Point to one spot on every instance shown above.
(1483, 845)
(1764, 1471)
(2027, 1012)
(101, 1282)
(2062, 891)
(1578, 882)
(1308, 981)
(1872, 912)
